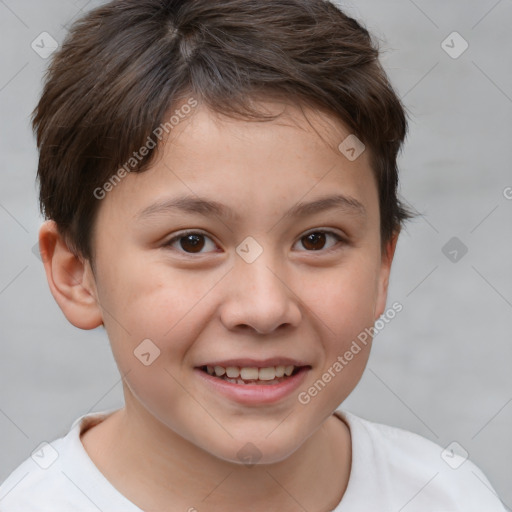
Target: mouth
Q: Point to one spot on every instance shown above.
(253, 375)
(254, 382)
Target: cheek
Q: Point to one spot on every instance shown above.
(345, 304)
(155, 315)
(152, 301)
(344, 299)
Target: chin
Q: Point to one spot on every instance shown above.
(259, 451)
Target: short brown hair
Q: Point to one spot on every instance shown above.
(124, 64)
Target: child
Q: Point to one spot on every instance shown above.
(219, 180)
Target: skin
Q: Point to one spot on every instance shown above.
(178, 436)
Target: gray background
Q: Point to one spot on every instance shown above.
(441, 368)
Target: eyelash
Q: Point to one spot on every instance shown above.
(338, 238)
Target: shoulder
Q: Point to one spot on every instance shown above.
(34, 484)
(407, 466)
(60, 476)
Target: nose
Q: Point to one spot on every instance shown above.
(260, 297)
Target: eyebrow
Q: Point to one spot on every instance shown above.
(208, 207)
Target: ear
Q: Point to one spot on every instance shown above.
(70, 278)
(388, 253)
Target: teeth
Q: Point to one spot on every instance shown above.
(239, 375)
(219, 371)
(233, 372)
(267, 373)
(263, 383)
(249, 373)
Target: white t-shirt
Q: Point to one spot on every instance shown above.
(392, 470)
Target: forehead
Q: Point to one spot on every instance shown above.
(311, 128)
(245, 163)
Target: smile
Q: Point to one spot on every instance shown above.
(269, 375)
(253, 383)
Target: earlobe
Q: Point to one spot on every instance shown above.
(70, 279)
(385, 270)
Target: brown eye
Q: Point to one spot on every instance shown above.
(190, 243)
(316, 240)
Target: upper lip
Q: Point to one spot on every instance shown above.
(247, 362)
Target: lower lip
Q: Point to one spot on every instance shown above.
(254, 393)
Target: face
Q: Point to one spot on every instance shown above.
(268, 277)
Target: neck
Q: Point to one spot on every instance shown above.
(166, 468)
